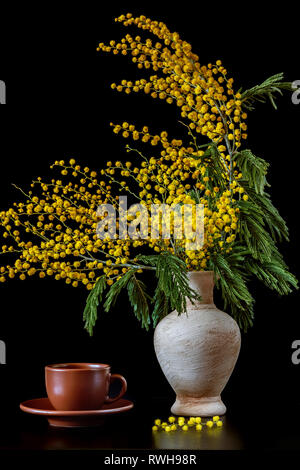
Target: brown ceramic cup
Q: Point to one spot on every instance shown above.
(80, 386)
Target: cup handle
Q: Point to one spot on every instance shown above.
(114, 377)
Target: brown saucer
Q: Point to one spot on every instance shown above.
(73, 419)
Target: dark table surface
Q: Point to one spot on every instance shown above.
(242, 430)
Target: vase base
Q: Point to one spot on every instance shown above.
(193, 406)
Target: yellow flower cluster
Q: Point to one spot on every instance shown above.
(185, 424)
(53, 233)
(182, 175)
(61, 218)
(204, 93)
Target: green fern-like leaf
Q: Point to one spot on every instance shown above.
(265, 90)
(161, 306)
(253, 169)
(231, 280)
(274, 274)
(90, 313)
(138, 298)
(172, 284)
(253, 231)
(116, 289)
(272, 218)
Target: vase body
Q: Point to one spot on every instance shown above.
(197, 351)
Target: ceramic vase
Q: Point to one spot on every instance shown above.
(197, 351)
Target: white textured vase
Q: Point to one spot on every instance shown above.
(197, 351)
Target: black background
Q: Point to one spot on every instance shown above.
(59, 105)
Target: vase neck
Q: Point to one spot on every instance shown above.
(203, 283)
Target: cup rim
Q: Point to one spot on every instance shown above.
(76, 366)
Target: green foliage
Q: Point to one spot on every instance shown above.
(116, 289)
(91, 309)
(273, 220)
(255, 252)
(171, 292)
(274, 274)
(161, 306)
(231, 277)
(139, 300)
(254, 169)
(172, 284)
(253, 232)
(136, 293)
(265, 90)
(215, 167)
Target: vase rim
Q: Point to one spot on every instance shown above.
(200, 272)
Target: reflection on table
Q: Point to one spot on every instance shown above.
(223, 438)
